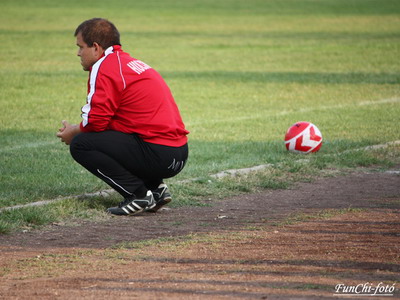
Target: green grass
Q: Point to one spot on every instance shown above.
(242, 72)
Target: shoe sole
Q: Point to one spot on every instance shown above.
(124, 213)
(160, 204)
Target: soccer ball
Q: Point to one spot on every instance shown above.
(303, 137)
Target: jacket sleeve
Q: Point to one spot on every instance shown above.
(102, 100)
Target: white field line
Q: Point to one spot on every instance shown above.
(27, 146)
(104, 193)
(219, 175)
(244, 171)
(282, 113)
(300, 110)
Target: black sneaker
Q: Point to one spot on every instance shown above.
(132, 206)
(162, 196)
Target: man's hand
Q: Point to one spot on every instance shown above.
(67, 132)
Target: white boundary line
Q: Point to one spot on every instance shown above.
(302, 110)
(27, 145)
(219, 175)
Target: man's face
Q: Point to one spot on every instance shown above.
(88, 55)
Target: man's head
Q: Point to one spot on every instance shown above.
(93, 37)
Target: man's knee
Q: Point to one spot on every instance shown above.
(77, 145)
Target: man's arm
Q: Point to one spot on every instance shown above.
(104, 95)
(67, 133)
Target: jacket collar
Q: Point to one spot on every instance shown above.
(112, 49)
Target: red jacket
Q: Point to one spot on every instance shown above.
(125, 94)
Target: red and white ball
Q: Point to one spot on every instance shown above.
(303, 137)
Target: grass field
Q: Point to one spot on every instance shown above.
(242, 72)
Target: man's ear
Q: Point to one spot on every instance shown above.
(98, 50)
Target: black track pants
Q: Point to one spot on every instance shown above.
(125, 162)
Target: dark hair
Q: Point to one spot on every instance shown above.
(98, 30)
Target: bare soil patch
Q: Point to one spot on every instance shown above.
(232, 249)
